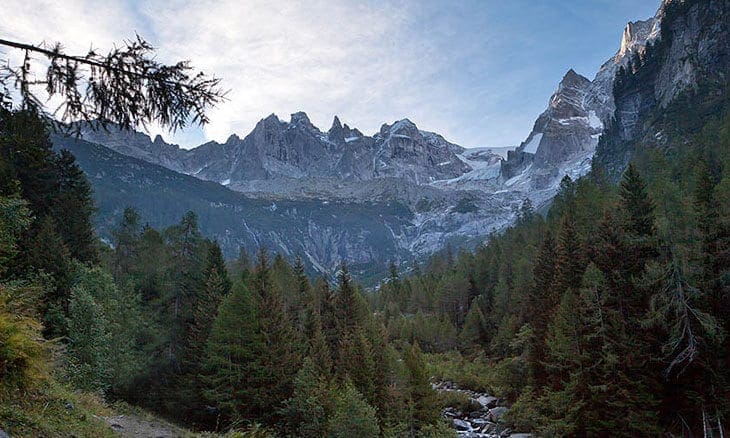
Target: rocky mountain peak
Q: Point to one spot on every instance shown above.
(301, 119)
(233, 138)
(636, 35)
(403, 127)
(571, 78)
(336, 125)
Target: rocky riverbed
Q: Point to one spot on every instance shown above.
(484, 422)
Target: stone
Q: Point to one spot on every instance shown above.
(461, 424)
(496, 414)
(487, 401)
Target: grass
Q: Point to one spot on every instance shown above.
(53, 410)
(476, 374)
(457, 400)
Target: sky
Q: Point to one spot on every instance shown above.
(479, 72)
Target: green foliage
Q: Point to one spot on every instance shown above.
(23, 352)
(306, 413)
(352, 416)
(14, 220)
(231, 361)
(422, 400)
(90, 341)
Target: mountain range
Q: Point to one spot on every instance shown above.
(401, 193)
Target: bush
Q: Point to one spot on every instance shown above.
(23, 352)
(475, 374)
(457, 400)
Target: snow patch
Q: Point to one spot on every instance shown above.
(594, 121)
(532, 146)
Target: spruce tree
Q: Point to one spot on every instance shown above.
(279, 359)
(232, 365)
(347, 304)
(569, 262)
(422, 399)
(538, 307)
(352, 416)
(307, 412)
(74, 207)
(636, 203)
(126, 243)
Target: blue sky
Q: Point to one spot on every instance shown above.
(478, 72)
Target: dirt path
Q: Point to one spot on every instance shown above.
(128, 425)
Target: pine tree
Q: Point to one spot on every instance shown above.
(318, 350)
(232, 366)
(355, 362)
(422, 400)
(14, 220)
(49, 254)
(306, 413)
(715, 241)
(538, 307)
(349, 315)
(637, 204)
(75, 208)
(569, 262)
(126, 243)
(279, 359)
(185, 240)
(89, 342)
(352, 416)
(302, 297)
(474, 334)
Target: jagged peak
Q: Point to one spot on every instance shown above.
(571, 77)
(336, 125)
(271, 118)
(636, 34)
(300, 117)
(233, 138)
(398, 126)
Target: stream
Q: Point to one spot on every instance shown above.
(485, 422)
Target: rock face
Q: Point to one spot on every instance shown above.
(564, 137)
(277, 150)
(692, 48)
(569, 128)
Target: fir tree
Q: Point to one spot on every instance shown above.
(75, 206)
(637, 204)
(352, 415)
(232, 368)
(306, 413)
(278, 360)
(569, 262)
(422, 400)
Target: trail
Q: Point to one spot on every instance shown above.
(130, 425)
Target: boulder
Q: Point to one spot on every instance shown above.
(496, 414)
(520, 435)
(4, 434)
(487, 401)
(461, 424)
